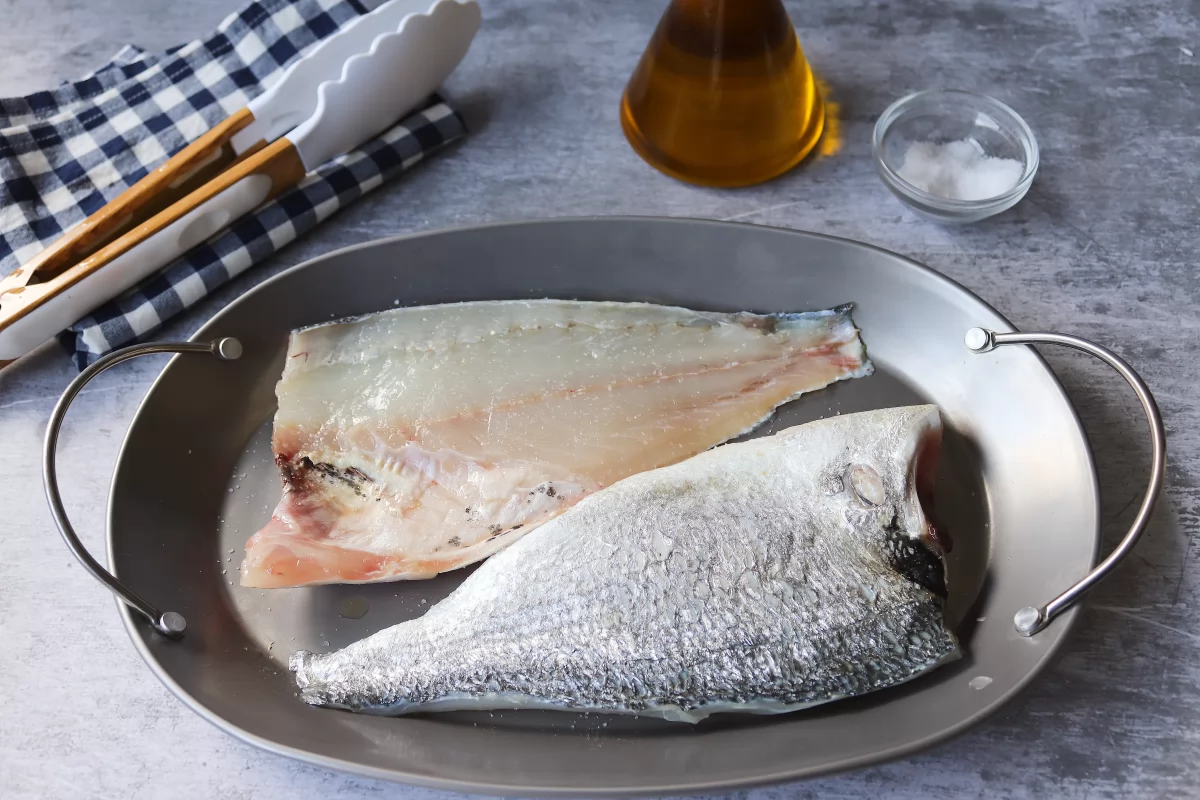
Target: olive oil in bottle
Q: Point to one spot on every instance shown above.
(723, 95)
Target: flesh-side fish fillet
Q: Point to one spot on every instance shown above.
(418, 440)
(763, 576)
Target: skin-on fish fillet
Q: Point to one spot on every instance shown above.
(763, 577)
(419, 440)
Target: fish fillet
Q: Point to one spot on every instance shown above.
(419, 440)
(763, 576)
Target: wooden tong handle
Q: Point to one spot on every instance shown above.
(139, 253)
(188, 169)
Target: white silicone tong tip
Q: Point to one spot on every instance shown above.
(376, 88)
(292, 99)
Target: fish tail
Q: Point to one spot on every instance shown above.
(831, 317)
(299, 663)
(312, 691)
(833, 326)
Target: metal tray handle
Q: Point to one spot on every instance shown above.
(168, 623)
(1031, 620)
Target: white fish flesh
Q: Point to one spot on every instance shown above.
(763, 576)
(419, 440)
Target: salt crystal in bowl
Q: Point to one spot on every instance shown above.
(954, 156)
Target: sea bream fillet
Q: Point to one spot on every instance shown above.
(763, 576)
(419, 440)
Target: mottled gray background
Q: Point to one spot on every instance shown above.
(1105, 246)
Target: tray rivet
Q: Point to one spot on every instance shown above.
(227, 349)
(1028, 621)
(980, 341)
(171, 624)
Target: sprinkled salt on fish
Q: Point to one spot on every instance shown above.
(764, 576)
(419, 440)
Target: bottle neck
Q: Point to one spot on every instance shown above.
(727, 29)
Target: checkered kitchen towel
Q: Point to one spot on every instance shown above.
(65, 152)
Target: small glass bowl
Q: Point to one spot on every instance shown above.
(941, 116)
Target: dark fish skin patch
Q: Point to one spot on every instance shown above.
(497, 531)
(913, 559)
(299, 475)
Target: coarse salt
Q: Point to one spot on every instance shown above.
(959, 170)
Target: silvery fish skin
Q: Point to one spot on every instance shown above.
(764, 576)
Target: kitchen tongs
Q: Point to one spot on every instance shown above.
(352, 85)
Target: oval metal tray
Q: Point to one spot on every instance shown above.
(1016, 489)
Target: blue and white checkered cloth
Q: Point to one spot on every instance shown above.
(64, 153)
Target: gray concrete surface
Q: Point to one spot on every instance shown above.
(1104, 246)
